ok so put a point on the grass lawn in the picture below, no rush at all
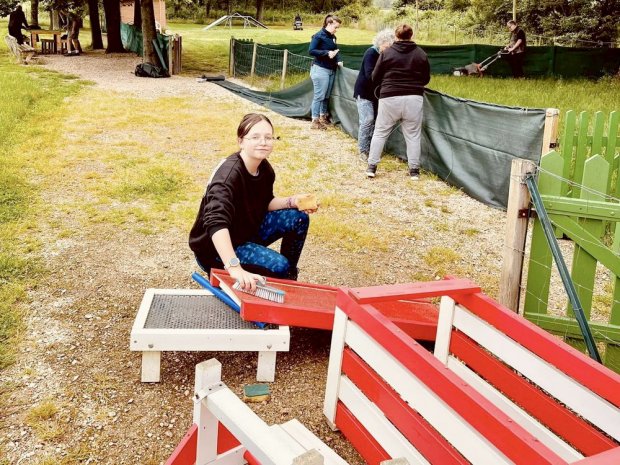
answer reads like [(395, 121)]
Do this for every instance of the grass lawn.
[(207, 51), (32, 97)]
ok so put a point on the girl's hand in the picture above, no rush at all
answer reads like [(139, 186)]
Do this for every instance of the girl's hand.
[(332, 53), (306, 203), (246, 279)]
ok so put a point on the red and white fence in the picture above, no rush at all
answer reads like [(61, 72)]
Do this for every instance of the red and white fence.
[(497, 389)]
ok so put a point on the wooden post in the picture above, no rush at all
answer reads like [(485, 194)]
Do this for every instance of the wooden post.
[(253, 66), (207, 373), (516, 232), (550, 134), (284, 66), (231, 57)]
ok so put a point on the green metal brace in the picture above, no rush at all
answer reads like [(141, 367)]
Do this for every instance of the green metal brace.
[(569, 286)]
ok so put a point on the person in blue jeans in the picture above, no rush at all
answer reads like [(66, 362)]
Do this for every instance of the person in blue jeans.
[(323, 71), (239, 216), (364, 91)]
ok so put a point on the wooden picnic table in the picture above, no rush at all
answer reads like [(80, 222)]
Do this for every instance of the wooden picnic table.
[(35, 33)]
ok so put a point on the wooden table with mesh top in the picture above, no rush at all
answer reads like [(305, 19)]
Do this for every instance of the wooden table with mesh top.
[(195, 320)]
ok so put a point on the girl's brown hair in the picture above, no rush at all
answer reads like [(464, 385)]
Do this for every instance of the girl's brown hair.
[(248, 122)]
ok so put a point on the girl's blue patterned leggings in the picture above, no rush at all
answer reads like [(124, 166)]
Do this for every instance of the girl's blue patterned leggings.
[(290, 225)]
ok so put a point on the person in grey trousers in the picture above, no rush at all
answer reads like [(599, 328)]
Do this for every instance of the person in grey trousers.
[(400, 75)]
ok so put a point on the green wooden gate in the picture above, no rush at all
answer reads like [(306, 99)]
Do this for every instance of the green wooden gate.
[(580, 187)]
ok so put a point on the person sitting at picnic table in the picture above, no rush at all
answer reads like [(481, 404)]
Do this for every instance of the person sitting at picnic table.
[(239, 216), (17, 19)]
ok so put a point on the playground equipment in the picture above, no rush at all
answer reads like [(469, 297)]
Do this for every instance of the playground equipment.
[(312, 306), (497, 389), (195, 320), (228, 432), (248, 21)]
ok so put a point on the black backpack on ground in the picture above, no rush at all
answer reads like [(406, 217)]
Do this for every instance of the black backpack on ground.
[(149, 70)]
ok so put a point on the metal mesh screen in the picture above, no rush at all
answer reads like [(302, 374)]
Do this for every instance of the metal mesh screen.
[(192, 312)]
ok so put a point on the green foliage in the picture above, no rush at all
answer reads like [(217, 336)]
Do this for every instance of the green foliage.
[(6, 6)]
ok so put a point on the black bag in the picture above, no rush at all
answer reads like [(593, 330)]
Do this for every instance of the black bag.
[(149, 70)]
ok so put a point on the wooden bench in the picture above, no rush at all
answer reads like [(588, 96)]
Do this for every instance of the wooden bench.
[(496, 390), (23, 53), (227, 432)]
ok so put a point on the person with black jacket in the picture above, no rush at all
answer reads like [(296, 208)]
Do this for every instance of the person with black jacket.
[(323, 70), (17, 19), (364, 91), (400, 75), (239, 216), (516, 49)]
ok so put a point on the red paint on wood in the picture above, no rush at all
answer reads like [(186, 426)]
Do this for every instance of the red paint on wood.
[(312, 306), (364, 443), (185, 452), (573, 363), (247, 455), (577, 432), (411, 424), (514, 441), (412, 291), (225, 439)]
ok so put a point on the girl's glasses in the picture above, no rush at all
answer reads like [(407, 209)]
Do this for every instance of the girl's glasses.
[(264, 139)]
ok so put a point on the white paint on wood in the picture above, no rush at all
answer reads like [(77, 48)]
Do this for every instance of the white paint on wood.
[(471, 444), (518, 415), (266, 370), (248, 428), (373, 419), (151, 365), (444, 329), (335, 366), (309, 441), (207, 373), (584, 402)]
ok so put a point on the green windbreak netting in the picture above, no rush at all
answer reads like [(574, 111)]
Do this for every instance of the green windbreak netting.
[(539, 61), (132, 41), (468, 144)]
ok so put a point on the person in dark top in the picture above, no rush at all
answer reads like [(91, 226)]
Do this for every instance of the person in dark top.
[(400, 75), (239, 216), (323, 71), (516, 49), (17, 19), (364, 91)]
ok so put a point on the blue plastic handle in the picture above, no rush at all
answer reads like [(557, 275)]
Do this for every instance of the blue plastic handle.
[(217, 292)]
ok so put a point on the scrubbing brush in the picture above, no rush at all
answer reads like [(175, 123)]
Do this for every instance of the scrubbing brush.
[(263, 291)]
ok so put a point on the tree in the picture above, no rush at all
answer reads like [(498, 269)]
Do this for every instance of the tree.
[(34, 13), (6, 6), (260, 9), (149, 32), (112, 10), (95, 27)]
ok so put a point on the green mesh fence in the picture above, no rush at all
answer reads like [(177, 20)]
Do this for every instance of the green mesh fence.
[(565, 62), (132, 41)]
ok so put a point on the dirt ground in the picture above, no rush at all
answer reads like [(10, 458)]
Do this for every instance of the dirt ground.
[(75, 351)]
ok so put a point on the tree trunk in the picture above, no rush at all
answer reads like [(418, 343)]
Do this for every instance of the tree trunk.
[(95, 27), (137, 14), (112, 9), (208, 7), (34, 13), (148, 33), (260, 10)]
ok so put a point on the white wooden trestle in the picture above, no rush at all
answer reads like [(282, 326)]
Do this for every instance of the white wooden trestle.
[(173, 332)]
